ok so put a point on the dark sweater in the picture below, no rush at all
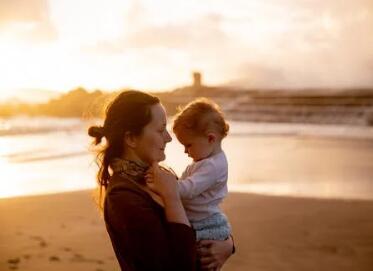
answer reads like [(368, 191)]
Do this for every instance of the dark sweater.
[(141, 236)]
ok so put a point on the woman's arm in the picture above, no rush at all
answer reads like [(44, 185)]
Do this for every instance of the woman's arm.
[(213, 253), (164, 183), (141, 237)]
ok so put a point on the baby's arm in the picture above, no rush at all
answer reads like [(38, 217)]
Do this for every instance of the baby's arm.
[(170, 170), (201, 179)]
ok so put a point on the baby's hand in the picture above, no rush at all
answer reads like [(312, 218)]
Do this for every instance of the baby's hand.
[(170, 171), (161, 181)]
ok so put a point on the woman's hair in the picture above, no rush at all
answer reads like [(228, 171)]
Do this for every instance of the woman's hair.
[(200, 116), (130, 112)]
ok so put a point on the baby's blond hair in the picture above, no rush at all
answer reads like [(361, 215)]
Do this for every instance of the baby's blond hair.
[(199, 117)]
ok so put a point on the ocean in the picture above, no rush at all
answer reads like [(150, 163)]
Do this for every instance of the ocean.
[(52, 155)]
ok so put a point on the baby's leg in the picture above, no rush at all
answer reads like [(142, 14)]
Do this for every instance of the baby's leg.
[(215, 227), (213, 233)]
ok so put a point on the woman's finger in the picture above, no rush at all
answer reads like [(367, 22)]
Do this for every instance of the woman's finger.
[(206, 260), (150, 185), (203, 251), (205, 243), (209, 265)]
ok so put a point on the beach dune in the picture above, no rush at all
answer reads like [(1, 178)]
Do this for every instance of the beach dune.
[(66, 232)]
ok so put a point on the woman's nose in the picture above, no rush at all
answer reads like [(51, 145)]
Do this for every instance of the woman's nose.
[(168, 137)]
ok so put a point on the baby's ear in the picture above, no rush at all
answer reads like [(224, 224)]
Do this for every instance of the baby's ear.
[(211, 137)]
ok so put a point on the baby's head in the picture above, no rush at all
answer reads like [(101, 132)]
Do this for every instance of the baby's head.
[(200, 126)]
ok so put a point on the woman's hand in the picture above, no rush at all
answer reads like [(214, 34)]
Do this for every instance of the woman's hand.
[(214, 253), (162, 182)]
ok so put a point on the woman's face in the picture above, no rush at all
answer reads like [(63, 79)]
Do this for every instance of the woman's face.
[(150, 145)]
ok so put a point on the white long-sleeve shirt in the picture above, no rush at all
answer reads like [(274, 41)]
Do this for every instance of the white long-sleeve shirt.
[(203, 186)]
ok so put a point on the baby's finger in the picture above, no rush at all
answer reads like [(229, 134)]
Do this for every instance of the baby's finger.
[(150, 185), (149, 179), (206, 243), (208, 263)]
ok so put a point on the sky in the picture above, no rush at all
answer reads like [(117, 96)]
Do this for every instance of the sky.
[(155, 45)]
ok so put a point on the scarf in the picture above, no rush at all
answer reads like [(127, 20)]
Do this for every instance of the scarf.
[(134, 172), (129, 170)]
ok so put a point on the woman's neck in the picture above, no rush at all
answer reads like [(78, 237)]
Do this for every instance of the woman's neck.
[(132, 156)]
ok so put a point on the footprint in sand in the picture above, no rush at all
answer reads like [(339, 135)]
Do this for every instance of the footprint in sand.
[(330, 249), (78, 255), (42, 242), (100, 262), (54, 259), (80, 258), (26, 256), (13, 263)]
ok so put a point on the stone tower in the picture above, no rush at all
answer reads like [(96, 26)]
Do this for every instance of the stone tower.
[(197, 79)]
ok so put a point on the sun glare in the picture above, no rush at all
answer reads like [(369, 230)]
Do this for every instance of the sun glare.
[(10, 186)]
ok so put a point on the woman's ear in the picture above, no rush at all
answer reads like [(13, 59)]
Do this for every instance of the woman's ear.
[(130, 140), (211, 137)]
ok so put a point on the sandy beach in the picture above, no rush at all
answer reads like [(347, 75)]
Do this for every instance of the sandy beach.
[(65, 232)]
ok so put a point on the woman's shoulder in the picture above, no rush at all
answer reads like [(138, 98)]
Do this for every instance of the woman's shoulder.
[(125, 202), (122, 189)]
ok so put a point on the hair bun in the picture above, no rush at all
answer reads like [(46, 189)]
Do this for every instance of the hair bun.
[(96, 132)]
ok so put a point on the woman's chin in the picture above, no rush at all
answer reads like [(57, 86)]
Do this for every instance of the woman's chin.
[(161, 158), (157, 159)]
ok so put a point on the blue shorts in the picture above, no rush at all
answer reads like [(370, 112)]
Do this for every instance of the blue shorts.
[(215, 227)]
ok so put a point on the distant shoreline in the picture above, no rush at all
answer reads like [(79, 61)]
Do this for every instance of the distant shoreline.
[(352, 107)]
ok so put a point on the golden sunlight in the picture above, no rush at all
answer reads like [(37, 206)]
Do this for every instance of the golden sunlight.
[(10, 186)]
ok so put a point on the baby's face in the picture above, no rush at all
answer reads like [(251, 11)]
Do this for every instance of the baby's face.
[(197, 147)]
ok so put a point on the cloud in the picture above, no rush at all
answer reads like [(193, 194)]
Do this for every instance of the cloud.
[(326, 45), (23, 10), (253, 75), (287, 43), (26, 20), (203, 33), (294, 43)]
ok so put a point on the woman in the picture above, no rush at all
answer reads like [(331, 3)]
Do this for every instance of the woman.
[(146, 223)]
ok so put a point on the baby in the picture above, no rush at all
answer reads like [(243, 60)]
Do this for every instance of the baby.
[(201, 127)]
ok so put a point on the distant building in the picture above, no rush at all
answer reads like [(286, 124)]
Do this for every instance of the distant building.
[(197, 79)]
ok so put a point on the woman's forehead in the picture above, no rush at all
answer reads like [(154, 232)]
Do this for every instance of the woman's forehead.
[(158, 114)]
